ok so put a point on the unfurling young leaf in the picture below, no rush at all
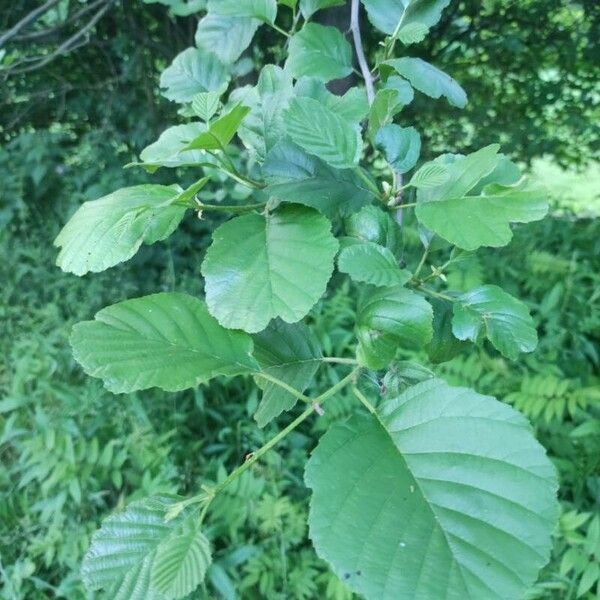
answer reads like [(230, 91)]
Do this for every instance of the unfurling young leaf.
[(505, 320), (221, 132), (390, 318), (444, 493)]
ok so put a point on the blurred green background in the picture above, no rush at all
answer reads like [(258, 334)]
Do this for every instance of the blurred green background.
[(71, 452)]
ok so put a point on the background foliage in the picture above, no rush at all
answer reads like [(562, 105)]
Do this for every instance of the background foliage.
[(71, 451)]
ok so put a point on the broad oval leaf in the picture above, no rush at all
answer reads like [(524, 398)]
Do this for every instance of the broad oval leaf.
[(390, 318), (429, 79), (319, 51), (292, 354), (504, 319), (430, 175), (321, 132), (385, 14), (206, 104), (371, 263), (166, 340), (400, 145), (226, 36), (138, 554), (260, 267), (444, 345), (470, 222), (193, 71), (444, 493), (110, 230)]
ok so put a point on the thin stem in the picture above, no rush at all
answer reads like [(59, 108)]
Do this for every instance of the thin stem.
[(436, 294), (363, 176), (363, 399), (234, 208), (421, 263), (392, 43), (360, 52), (409, 205), (340, 361), (283, 385), (284, 432), (278, 29)]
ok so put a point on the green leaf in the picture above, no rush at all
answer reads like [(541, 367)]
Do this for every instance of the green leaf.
[(430, 175), (474, 221), (260, 267), (290, 353), (371, 263), (352, 106), (405, 91), (221, 132), (462, 173), (413, 33), (191, 72), (206, 104), (389, 318), (309, 7), (166, 340), (321, 132), (372, 224), (265, 10), (294, 176), (319, 51), (388, 103), (505, 320), (429, 79), (423, 12), (226, 36), (444, 346), (471, 221), (400, 145), (444, 493), (265, 126), (385, 14), (138, 554), (110, 230), (167, 151)]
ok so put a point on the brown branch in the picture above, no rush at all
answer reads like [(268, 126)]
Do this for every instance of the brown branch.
[(67, 46), (26, 20), (360, 53)]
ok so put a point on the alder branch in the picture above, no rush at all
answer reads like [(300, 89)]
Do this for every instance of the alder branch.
[(360, 52)]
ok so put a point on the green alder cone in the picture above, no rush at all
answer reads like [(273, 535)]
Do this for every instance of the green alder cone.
[(443, 493), (110, 230), (140, 554), (166, 340), (260, 267)]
